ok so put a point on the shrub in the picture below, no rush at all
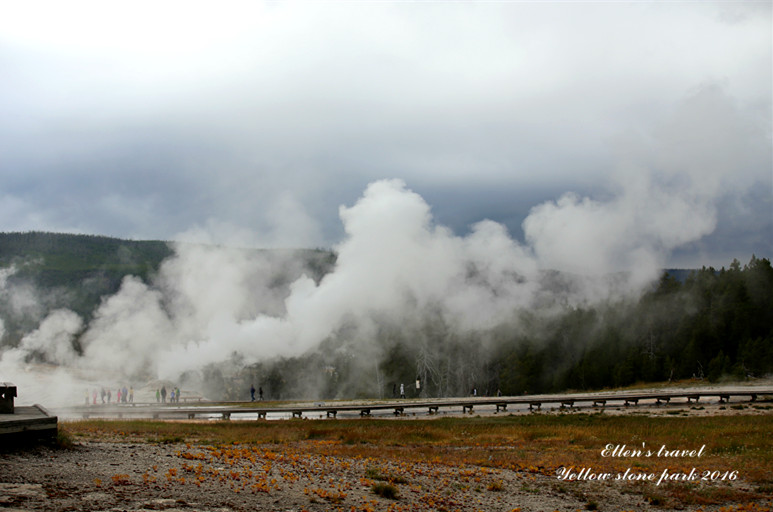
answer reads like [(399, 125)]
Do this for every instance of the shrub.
[(496, 486), (63, 438), (387, 491)]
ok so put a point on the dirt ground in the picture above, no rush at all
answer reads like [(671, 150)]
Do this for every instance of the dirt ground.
[(111, 476)]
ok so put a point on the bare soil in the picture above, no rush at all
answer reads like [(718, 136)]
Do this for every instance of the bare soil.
[(109, 474), (113, 476)]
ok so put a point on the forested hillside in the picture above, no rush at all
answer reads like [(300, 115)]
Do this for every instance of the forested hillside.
[(42, 272), (715, 323)]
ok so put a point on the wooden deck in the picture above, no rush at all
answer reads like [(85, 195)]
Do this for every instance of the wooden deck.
[(34, 421), (432, 406)]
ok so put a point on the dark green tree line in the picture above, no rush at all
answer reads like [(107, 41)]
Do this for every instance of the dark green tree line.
[(712, 324)]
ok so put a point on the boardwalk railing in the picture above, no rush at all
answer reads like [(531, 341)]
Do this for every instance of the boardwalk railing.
[(398, 407)]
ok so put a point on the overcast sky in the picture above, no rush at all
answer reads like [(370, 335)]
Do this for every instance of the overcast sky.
[(252, 122)]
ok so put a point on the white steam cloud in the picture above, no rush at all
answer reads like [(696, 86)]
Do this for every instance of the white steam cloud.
[(53, 340), (208, 303)]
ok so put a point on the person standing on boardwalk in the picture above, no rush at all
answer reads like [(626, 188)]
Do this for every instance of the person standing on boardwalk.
[(252, 393), (163, 394), (402, 390)]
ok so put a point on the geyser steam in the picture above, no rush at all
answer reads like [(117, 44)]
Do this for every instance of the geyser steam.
[(396, 264)]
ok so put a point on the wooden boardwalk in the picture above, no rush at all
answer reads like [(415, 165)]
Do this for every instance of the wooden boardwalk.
[(260, 410), (34, 421)]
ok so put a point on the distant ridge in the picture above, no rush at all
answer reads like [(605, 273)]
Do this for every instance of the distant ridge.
[(63, 251)]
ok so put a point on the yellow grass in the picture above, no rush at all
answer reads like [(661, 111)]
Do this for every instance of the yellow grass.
[(548, 441)]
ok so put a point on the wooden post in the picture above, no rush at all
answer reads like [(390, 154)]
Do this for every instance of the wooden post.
[(7, 394)]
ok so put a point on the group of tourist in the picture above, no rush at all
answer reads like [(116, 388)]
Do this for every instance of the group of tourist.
[(123, 395), (174, 395)]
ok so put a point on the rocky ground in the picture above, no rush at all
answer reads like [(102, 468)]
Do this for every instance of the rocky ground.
[(107, 474), (112, 476)]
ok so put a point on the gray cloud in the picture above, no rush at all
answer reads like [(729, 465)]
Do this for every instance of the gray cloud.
[(266, 117)]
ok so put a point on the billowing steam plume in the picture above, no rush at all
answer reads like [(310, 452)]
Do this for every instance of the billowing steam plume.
[(211, 304)]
